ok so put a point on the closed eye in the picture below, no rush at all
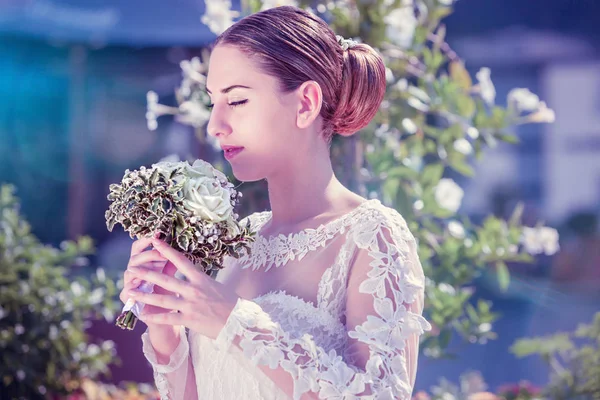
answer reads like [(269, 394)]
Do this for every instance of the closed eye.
[(234, 104)]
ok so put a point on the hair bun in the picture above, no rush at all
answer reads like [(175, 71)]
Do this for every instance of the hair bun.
[(362, 89)]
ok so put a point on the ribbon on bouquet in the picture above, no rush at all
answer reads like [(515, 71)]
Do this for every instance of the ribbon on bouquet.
[(136, 307)]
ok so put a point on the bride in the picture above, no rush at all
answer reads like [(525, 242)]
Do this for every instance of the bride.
[(328, 305)]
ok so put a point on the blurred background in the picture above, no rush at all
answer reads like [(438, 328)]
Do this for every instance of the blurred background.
[(73, 82)]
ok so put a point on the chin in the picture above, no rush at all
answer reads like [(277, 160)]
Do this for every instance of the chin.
[(246, 174)]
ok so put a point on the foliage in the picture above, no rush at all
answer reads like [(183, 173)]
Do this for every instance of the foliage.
[(473, 387), (574, 360), (44, 310), (433, 124), (91, 390)]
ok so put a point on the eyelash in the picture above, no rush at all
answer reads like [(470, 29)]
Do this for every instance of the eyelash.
[(234, 104)]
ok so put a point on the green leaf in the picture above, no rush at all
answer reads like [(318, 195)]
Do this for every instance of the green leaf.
[(465, 105), (183, 242), (515, 218), (512, 139), (457, 163), (503, 275), (444, 338), (432, 174), (460, 75)]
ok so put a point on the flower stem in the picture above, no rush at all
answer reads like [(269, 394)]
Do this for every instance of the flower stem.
[(126, 320)]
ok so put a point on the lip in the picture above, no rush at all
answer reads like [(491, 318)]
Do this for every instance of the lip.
[(231, 151)]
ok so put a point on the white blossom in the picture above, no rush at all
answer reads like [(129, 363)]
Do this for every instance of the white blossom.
[(266, 4), (473, 132), (472, 382), (417, 104), (540, 240), (463, 146), (448, 194), (401, 24), (193, 113), (456, 229), (486, 86), (409, 126), (523, 100), (446, 288), (542, 115), (76, 288), (101, 274), (401, 85), (419, 205), (389, 75), (218, 15), (419, 93)]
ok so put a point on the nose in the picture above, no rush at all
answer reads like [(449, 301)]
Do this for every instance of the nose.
[(217, 123)]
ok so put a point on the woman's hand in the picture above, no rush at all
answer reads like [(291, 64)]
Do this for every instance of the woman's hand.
[(201, 304), (151, 259)]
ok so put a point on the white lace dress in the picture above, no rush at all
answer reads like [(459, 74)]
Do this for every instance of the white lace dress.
[(359, 341)]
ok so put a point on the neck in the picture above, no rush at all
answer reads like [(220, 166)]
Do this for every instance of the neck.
[(307, 190)]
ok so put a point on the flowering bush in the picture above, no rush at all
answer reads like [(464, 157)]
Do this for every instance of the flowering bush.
[(44, 311), (435, 121), (573, 358), (473, 387)]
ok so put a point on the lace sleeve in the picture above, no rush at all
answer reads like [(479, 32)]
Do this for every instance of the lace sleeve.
[(175, 380), (383, 322)]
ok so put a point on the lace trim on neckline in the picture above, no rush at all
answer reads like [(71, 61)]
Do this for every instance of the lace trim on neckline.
[(278, 250)]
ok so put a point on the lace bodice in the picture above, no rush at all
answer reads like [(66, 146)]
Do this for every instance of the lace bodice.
[(340, 347)]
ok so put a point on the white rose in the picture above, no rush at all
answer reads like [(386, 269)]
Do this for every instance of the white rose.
[(207, 199), (201, 168), (448, 194)]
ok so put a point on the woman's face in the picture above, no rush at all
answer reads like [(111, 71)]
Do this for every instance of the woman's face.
[(249, 111)]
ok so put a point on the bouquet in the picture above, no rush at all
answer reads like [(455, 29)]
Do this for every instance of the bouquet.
[(191, 207)]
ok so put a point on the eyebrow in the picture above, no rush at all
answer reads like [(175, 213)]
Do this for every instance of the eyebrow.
[(230, 88)]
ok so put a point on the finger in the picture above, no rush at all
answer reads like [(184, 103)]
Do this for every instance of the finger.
[(146, 257), (165, 281), (185, 266), (132, 282), (174, 319), (140, 245), (167, 301)]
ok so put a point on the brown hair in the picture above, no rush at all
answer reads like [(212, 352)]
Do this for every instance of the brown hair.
[(296, 46)]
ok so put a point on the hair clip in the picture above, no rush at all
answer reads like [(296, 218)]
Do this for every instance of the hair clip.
[(345, 43)]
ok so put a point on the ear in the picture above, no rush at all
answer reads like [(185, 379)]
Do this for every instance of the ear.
[(309, 106)]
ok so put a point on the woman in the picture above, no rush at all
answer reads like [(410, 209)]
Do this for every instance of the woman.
[(329, 303)]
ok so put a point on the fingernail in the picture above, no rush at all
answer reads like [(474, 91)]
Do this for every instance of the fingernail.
[(136, 281)]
